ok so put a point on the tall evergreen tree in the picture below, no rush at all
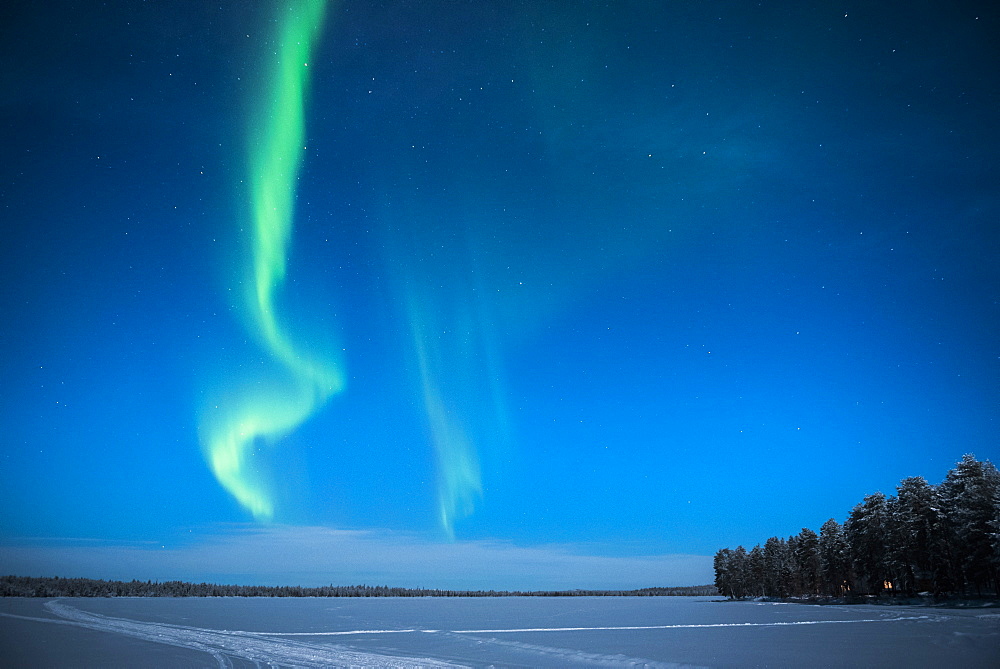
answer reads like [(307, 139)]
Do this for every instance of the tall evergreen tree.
[(776, 568), (945, 537), (793, 579), (834, 559), (866, 529), (807, 562), (739, 568), (898, 574), (723, 572), (916, 552), (971, 493), (755, 572)]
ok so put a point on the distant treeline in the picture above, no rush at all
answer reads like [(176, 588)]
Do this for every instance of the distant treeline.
[(943, 539), (27, 586)]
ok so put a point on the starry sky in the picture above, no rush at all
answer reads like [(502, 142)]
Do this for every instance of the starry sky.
[(581, 292)]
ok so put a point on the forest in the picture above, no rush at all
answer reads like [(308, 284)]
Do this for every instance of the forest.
[(32, 586), (942, 539)]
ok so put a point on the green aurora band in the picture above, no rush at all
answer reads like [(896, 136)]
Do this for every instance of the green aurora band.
[(270, 408), (271, 404), (459, 482)]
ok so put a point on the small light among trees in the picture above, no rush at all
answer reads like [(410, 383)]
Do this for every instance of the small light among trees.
[(943, 539)]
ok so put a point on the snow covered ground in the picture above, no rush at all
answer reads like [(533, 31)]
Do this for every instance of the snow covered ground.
[(524, 632)]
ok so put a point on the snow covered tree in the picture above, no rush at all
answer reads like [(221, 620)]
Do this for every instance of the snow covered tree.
[(945, 538), (971, 495), (732, 577), (723, 574), (807, 562), (915, 550), (866, 530), (755, 572), (740, 572), (793, 582), (777, 568), (834, 559)]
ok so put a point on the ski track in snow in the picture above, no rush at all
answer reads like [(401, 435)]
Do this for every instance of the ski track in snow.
[(224, 644), (591, 629), (263, 648)]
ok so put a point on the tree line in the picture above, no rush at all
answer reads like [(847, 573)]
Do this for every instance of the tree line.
[(943, 539), (29, 586)]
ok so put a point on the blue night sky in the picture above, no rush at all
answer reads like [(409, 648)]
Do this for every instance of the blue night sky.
[(484, 294)]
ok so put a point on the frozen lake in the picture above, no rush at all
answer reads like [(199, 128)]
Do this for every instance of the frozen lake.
[(505, 632)]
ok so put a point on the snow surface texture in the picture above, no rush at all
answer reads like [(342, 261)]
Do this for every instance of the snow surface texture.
[(257, 647), (536, 632), (224, 645)]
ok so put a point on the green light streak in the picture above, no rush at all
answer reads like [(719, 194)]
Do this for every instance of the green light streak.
[(270, 408), (459, 482)]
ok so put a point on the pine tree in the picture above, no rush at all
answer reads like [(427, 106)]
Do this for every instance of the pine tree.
[(723, 574), (807, 562), (866, 530), (971, 494), (834, 559), (740, 573), (945, 537), (777, 570), (916, 551), (755, 572)]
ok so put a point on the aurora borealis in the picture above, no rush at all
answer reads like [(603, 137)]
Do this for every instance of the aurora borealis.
[(492, 283), (270, 410)]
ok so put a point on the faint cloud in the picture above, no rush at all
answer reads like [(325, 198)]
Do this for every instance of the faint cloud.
[(311, 556)]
